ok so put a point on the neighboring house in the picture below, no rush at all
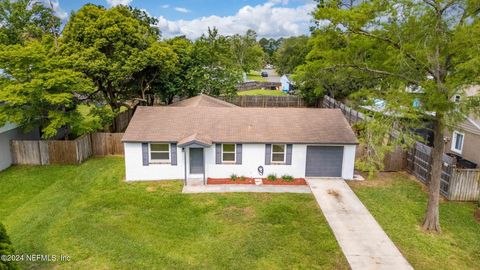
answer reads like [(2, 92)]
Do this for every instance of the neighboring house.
[(204, 137), (12, 132), (464, 141), (286, 83)]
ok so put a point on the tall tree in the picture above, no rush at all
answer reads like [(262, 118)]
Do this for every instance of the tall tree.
[(177, 83), (117, 49), (291, 54), (428, 44), (269, 46), (247, 52), (24, 20), (39, 89), (213, 70)]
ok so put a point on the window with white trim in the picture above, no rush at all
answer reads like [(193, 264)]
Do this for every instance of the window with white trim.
[(160, 152), (279, 153), (457, 141), (229, 151)]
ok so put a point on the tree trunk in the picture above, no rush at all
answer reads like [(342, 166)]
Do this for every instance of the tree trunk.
[(432, 216)]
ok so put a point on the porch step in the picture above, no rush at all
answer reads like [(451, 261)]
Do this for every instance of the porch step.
[(195, 181)]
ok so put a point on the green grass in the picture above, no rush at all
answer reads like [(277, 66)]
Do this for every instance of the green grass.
[(261, 92), (90, 214), (398, 203), (255, 76)]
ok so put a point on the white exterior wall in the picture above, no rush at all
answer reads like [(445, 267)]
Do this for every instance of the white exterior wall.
[(348, 165), (135, 171), (12, 132), (253, 156)]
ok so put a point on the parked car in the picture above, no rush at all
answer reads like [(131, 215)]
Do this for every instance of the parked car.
[(264, 74)]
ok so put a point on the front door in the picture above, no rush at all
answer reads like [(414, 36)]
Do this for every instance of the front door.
[(196, 160)]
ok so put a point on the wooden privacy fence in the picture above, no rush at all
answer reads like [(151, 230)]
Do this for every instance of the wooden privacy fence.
[(266, 101), (257, 85), (105, 144), (122, 119), (455, 184), (51, 152), (66, 152), (465, 185), (350, 114), (392, 162)]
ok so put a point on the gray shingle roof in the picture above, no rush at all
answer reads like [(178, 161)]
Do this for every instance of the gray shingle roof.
[(240, 125)]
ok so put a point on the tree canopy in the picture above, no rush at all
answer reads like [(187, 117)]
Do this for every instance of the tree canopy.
[(247, 53), (39, 88), (24, 20), (291, 54)]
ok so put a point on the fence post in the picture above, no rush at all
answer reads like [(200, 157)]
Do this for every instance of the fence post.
[(451, 183)]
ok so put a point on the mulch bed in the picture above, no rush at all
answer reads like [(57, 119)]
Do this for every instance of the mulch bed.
[(228, 181), (281, 182), (251, 181)]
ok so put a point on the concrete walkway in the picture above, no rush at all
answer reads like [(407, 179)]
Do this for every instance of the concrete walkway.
[(245, 188), (363, 241)]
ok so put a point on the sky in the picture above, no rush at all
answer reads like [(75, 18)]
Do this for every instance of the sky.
[(269, 18)]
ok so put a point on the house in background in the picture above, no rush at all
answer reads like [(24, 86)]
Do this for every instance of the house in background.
[(463, 142), (203, 137), (287, 84), (12, 132)]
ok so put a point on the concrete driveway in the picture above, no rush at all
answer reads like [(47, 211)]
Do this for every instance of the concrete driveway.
[(363, 241)]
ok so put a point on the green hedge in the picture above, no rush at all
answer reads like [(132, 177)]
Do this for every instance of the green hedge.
[(6, 248)]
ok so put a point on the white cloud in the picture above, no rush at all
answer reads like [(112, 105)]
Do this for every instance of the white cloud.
[(165, 6), (118, 2), (268, 20), (55, 5), (182, 10)]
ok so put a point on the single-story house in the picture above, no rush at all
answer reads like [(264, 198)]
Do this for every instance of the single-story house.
[(10, 132), (204, 137)]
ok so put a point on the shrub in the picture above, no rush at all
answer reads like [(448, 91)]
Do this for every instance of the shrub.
[(242, 178), (6, 248), (287, 178), (272, 177), (233, 177)]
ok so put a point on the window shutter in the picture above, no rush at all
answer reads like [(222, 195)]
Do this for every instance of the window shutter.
[(268, 154), (238, 158), (218, 153), (289, 154), (173, 154), (145, 154)]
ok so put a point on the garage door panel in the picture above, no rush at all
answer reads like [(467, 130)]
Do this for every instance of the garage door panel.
[(324, 161)]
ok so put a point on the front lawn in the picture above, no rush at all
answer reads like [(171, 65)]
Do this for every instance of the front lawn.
[(88, 213), (262, 92), (398, 203)]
